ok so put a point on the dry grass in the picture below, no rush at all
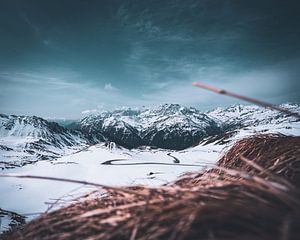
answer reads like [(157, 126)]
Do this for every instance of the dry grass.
[(253, 193)]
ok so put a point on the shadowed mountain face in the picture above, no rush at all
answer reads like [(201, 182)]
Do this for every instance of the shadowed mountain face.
[(172, 126), (38, 128), (25, 139), (169, 126)]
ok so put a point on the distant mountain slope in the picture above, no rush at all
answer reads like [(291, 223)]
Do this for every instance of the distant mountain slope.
[(168, 126), (253, 115), (24, 139), (239, 121)]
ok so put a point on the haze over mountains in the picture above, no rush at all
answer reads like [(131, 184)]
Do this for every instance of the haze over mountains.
[(25, 139)]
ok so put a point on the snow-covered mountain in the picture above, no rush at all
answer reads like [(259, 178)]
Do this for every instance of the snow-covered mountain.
[(25, 139), (253, 115), (172, 126), (239, 121), (169, 126)]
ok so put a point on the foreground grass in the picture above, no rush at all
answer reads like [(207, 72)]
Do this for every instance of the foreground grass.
[(252, 193)]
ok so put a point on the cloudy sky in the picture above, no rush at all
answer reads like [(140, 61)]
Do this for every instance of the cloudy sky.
[(59, 58)]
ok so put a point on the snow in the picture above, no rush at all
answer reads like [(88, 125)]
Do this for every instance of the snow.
[(149, 167), (162, 117), (31, 138), (252, 114)]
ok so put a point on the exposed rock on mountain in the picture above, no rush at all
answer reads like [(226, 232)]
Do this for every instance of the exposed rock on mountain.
[(25, 139), (169, 126)]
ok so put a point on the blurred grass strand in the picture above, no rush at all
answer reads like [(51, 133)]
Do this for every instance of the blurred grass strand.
[(247, 99)]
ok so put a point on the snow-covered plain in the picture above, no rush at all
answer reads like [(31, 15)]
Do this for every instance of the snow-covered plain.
[(151, 167)]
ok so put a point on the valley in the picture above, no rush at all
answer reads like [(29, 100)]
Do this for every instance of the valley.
[(101, 148)]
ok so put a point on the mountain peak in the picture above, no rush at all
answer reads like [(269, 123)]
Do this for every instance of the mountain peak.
[(167, 126)]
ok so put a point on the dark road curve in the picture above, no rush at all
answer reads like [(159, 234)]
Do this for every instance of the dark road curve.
[(176, 160), (112, 162)]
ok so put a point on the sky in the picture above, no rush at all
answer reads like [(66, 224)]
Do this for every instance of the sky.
[(66, 58)]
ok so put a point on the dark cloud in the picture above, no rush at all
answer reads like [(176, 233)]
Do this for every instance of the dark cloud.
[(145, 49)]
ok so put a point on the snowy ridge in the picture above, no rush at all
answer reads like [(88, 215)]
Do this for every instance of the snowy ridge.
[(25, 139), (169, 126), (253, 115), (239, 121)]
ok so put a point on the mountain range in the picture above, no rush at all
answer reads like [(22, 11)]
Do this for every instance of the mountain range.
[(169, 126), (25, 139)]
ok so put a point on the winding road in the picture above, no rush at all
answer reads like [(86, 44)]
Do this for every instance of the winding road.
[(115, 162)]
